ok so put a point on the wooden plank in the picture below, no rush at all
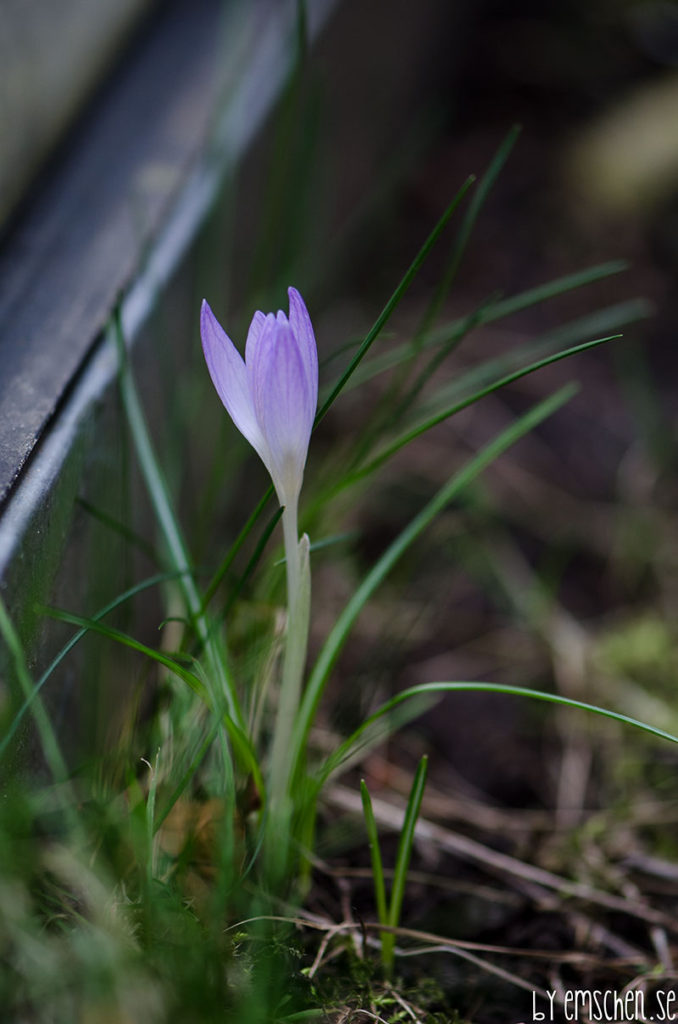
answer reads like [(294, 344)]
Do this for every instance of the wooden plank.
[(52, 56), (84, 238)]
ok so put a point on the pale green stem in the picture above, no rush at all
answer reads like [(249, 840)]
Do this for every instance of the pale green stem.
[(291, 539), (298, 608)]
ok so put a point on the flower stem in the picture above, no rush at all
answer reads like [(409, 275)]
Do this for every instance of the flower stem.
[(291, 539), (298, 609)]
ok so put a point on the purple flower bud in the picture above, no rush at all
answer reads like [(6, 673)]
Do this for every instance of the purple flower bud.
[(271, 396)]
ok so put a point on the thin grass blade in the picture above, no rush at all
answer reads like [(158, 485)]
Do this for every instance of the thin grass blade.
[(169, 526), (377, 863), (552, 289), (226, 564), (603, 323), (461, 241), (50, 744), (252, 562), (397, 295), (131, 536), (404, 854), (152, 581), (445, 414), (441, 688), (490, 311), (189, 773), (92, 625)]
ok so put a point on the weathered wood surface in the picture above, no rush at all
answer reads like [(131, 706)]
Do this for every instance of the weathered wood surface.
[(52, 55), (85, 236)]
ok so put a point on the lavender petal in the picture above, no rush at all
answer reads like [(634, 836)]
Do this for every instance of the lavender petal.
[(303, 331), (284, 404), (230, 379)]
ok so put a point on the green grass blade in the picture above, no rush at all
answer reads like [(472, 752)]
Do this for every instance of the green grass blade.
[(253, 561), (552, 289), (246, 754), (391, 407), (50, 744), (152, 581), (443, 351), (337, 637), (154, 477), (432, 421), (377, 869), (397, 295), (490, 311), (345, 750), (118, 636), (159, 495), (226, 564), (602, 323), (404, 855), (375, 854), (189, 774), (131, 536), (475, 206), (150, 823)]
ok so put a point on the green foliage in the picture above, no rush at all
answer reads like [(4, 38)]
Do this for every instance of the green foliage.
[(389, 911)]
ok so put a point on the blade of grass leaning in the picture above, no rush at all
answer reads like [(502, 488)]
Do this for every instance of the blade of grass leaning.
[(376, 859), (152, 581), (602, 323), (396, 405), (189, 773), (131, 536), (392, 407), (552, 289), (489, 312), (397, 295), (253, 561), (476, 204), (345, 749), (445, 414), (384, 727), (118, 636), (235, 547), (199, 686), (159, 495), (251, 564), (339, 634), (242, 744), (152, 473), (437, 359), (50, 744), (403, 858), (150, 826)]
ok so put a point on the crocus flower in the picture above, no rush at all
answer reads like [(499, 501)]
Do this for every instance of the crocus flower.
[(272, 395)]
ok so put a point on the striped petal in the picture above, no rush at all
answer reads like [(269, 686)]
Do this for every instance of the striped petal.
[(253, 335), (284, 404), (230, 379), (303, 332)]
